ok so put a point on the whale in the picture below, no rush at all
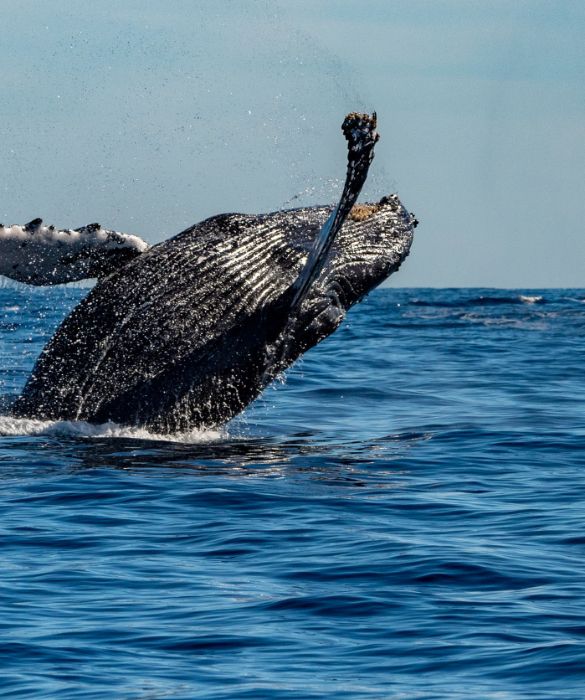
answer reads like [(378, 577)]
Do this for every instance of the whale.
[(188, 332)]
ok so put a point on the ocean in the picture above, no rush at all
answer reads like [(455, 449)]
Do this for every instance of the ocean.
[(401, 517)]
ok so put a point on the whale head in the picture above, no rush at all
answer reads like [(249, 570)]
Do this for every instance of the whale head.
[(372, 244)]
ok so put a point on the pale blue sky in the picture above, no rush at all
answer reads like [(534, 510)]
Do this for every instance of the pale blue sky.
[(150, 116)]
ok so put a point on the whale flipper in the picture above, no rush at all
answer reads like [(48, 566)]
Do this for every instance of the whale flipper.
[(44, 255), (360, 132)]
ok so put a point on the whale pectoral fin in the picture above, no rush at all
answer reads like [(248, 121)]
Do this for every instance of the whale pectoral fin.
[(44, 255), (360, 132)]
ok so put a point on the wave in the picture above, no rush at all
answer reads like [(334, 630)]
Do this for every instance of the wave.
[(526, 299), (21, 427), (482, 301)]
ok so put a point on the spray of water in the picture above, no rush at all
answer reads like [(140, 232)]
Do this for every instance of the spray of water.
[(20, 427)]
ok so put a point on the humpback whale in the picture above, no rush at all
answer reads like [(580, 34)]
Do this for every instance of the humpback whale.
[(187, 333)]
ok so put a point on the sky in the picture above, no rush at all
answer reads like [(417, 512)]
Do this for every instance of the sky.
[(147, 117)]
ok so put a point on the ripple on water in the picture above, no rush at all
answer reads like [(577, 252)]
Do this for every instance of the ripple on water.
[(401, 518)]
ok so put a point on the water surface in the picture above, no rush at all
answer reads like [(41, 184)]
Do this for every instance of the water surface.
[(402, 518)]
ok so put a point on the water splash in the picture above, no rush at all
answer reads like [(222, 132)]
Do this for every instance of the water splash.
[(531, 299), (17, 427)]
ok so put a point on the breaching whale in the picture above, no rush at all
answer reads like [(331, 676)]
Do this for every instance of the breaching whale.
[(187, 333)]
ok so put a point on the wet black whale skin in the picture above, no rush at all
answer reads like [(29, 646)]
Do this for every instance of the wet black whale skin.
[(190, 332)]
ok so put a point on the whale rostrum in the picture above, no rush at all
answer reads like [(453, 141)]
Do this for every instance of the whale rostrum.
[(187, 333)]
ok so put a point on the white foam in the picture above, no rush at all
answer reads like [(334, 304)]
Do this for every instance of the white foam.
[(17, 427), (530, 299)]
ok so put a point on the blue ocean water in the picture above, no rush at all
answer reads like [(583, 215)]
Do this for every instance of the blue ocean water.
[(403, 517)]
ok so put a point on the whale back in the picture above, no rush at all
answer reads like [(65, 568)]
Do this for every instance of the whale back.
[(192, 330)]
